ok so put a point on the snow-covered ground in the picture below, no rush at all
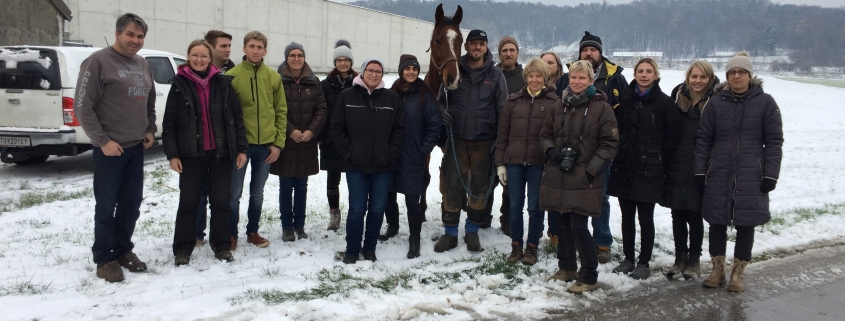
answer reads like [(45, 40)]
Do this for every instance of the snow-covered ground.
[(46, 228)]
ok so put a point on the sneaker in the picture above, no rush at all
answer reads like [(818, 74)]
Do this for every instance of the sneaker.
[(110, 271), (624, 268), (473, 244), (580, 287), (288, 236), (516, 253), (233, 243), (224, 256), (257, 240), (200, 243), (300, 233), (642, 272), (445, 242), (603, 254), (182, 259), (530, 257), (564, 276), (131, 262)]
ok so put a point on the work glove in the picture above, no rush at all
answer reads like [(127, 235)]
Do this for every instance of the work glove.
[(447, 118), (768, 184), (503, 175)]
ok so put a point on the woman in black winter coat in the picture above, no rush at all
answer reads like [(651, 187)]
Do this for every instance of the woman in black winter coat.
[(646, 121), (422, 129), (738, 151), (680, 192), (338, 79), (203, 134)]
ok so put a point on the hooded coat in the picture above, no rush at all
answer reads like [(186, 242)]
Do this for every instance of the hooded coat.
[(680, 191), (333, 85), (513, 78), (306, 111), (739, 142), (477, 103), (520, 125), (421, 134), (572, 191), (647, 143)]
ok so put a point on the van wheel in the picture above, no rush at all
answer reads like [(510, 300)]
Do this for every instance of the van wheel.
[(38, 159)]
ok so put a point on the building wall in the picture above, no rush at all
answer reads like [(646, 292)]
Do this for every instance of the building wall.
[(316, 24), (29, 22)]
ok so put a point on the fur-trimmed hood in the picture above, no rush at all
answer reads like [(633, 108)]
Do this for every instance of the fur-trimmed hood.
[(755, 82)]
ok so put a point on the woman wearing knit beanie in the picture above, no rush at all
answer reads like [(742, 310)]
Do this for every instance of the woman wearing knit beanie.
[(738, 151), (338, 79), (422, 129), (647, 127), (680, 193), (519, 160)]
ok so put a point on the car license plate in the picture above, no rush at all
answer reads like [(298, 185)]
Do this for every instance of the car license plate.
[(14, 141)]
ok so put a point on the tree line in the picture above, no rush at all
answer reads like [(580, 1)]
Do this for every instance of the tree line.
[(813, 36)]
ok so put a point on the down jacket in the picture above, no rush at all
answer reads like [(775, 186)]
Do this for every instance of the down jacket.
[(181, 126), (333, 85), (647, 140), (476, 104), (739, 142), (421, 134), (572, 191), (306, 111), (680, 191), (520, 125)]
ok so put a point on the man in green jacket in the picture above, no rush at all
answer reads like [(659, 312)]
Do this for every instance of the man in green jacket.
[(262, 97)]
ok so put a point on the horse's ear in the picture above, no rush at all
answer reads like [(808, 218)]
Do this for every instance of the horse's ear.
[(438, 14), (459, 14)]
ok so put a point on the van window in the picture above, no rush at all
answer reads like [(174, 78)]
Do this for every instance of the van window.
[(162, 69), (24, 68)]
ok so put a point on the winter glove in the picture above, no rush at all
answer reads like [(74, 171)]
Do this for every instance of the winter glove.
[(768, 184), (700, 181), (553, 154), (503, 175), (447, 118)]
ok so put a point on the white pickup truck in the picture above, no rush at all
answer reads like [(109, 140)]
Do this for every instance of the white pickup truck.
[(37, 86)]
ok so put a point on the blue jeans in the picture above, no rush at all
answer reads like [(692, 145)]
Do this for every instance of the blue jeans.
[(601, 224), (292, 209), (118, 192), (367, 197), (255, 155), (202, 212), (518, 177)]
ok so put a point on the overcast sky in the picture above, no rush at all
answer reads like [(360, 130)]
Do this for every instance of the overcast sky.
[(823, 3)]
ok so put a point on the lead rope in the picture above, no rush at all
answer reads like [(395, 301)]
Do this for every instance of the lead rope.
[(455, 157)]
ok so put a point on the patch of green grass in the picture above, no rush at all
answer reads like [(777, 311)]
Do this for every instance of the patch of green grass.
[(6, 206), (271, 272), (27, 287), (159, 177), (31, 199), (788, 217), (838, 83), (24, 185), (330, 282), (157, 227), (35, 223)]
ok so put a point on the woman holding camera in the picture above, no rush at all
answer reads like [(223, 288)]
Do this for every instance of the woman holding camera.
[(647, 121), (738, 151), (579, 140)]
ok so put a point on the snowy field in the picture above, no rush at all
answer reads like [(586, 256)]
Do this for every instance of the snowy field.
[(46, 228)]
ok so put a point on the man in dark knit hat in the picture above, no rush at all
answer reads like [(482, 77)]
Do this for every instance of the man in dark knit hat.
[(609, 79)]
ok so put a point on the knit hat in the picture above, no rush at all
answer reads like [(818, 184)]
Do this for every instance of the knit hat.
[(408, 60), (536, 65), (506, 40), (589, 40), (477, 34), (342, 48), (291, 47), (370, 60), (740, 60)]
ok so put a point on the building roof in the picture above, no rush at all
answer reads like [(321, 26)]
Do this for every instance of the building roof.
[(62, 7)]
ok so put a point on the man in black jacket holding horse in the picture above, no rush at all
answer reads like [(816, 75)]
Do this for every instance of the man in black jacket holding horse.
[(471, 115)]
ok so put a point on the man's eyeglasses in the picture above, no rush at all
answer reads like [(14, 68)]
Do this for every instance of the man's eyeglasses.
[(373, 72)]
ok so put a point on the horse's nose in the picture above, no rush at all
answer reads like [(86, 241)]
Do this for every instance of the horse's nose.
[(450, 79)]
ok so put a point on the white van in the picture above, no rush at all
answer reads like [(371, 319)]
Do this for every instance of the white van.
[(37, 86)]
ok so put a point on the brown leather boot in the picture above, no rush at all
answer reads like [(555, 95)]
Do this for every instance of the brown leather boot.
[(516, 253), (736, 284), (530, 257), (717, 276), (110, 271)]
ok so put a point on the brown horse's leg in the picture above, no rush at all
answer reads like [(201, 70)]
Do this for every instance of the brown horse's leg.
[(423, 204)]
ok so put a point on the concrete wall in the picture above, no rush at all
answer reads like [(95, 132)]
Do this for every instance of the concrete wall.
[(316, 24), (29, 22)]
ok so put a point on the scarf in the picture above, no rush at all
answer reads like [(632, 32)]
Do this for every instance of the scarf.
[(573, 99), (202, 85)]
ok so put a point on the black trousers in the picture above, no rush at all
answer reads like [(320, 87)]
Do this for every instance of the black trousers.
[(680, 221), (333, 189), (191, 181), (575, 235), (645, 213), (415, 214), (744, 241)]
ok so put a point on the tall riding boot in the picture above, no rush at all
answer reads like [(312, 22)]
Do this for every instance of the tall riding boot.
[(415, 227), (391, 215), (717, 276), (737, 284)]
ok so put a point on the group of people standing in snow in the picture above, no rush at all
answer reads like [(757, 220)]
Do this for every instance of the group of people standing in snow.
[(563, 141)]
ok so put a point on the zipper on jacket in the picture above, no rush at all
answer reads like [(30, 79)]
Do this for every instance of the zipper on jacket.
[(528, 132), (257, 105)]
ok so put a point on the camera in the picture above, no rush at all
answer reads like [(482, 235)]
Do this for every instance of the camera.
[(568, 156)]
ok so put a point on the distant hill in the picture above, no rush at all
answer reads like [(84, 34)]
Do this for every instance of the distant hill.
[(813, 35)]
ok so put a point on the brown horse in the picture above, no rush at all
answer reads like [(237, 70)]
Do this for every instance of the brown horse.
[(445, 47)]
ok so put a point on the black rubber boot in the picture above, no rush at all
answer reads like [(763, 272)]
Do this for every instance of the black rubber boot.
[(392, 230), (391, 216), (415, 227)]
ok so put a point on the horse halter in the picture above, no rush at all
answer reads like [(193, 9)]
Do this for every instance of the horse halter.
[(440, 66)]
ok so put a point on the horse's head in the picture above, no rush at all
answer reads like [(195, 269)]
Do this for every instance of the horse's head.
[(446, 42)]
